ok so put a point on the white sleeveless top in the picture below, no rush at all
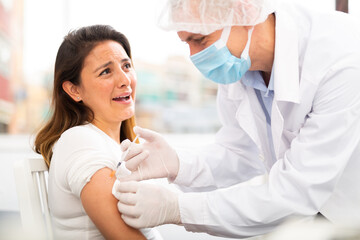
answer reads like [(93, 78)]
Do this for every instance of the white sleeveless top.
[(77, 155)]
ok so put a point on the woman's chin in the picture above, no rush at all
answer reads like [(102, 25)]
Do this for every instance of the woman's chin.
[(127, 115)]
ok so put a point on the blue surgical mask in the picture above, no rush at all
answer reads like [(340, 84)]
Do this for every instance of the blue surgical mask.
[(218, 64)]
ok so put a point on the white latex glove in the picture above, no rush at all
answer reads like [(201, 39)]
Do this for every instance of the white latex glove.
[(149, 233), (152, 159), (144, 205)]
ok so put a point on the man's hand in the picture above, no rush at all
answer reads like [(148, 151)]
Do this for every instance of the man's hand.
[(152, 159), (145, 205)]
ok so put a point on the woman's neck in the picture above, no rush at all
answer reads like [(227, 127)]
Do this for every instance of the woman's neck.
[(112, 130)]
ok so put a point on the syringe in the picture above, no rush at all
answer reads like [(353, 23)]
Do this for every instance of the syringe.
[(121, 170)]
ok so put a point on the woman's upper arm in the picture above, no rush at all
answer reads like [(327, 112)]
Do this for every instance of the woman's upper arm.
[(101, 207)]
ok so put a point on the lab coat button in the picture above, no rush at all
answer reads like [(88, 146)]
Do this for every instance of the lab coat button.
[(261, 156)]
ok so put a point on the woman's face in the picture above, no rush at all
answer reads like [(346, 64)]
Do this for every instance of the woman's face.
[(108, 83)]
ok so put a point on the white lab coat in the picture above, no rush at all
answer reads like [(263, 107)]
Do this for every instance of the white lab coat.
[(316, 135)]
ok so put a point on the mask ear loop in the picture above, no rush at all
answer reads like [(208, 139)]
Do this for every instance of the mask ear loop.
[(245, 53), (223, 38)]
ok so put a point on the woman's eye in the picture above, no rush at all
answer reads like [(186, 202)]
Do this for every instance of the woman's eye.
[(127, 65), (106, 71)]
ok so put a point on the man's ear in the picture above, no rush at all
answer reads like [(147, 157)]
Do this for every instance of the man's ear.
[(72, 90)]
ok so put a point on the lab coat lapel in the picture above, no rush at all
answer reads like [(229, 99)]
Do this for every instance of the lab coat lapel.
[(277, 126), (285, 73), (244, 114)]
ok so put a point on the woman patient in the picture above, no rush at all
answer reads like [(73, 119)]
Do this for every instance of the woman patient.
[(92, 112)]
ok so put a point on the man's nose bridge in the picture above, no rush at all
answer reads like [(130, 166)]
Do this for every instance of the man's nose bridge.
[(193, 50)]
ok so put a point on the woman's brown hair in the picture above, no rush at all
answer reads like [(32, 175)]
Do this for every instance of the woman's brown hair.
[(68, 113)]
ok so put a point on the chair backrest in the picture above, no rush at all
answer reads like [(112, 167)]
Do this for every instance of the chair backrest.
[(31, 187)]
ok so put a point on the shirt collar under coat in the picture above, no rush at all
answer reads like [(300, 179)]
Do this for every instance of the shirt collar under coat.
[(286, 62)]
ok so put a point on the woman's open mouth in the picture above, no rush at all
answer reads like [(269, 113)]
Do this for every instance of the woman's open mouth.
[(122, 98)]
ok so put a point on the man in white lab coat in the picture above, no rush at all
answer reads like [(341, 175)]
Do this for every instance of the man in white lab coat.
[(289, 103)]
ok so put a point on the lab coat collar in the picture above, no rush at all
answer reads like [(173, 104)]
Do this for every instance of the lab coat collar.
[(236, 90), (286, 59), (285, 79)]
